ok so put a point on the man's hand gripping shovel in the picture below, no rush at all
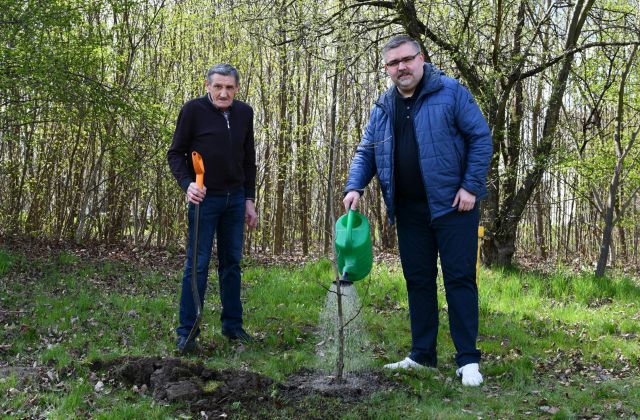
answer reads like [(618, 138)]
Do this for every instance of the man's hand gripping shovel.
[(198, 167)]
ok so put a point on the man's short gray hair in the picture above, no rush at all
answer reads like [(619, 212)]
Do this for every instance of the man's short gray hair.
[(224, 70), (398, 40)]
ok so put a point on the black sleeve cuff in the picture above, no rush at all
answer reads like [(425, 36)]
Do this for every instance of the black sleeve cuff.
[(184, 184)]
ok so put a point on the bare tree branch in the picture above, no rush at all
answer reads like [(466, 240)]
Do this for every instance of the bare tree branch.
[(572, 51)]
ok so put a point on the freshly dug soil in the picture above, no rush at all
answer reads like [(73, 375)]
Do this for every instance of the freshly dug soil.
[(225, 392)]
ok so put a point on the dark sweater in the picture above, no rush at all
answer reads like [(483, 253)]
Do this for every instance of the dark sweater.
[(228, 150)]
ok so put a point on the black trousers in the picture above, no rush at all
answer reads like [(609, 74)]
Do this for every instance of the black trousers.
[(454, 237)]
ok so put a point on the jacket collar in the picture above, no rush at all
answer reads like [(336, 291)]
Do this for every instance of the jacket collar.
[(208, 100)]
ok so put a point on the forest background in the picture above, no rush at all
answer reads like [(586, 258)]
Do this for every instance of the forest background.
[(90, 91)]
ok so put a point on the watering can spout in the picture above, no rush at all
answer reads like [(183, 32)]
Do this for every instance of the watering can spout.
[(344, 280), (353, 246)]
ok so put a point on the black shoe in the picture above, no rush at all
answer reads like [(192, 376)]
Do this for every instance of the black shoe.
[(184, 346), (238, 334)]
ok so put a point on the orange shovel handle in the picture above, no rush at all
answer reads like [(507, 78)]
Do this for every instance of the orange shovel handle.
[(198, 167)]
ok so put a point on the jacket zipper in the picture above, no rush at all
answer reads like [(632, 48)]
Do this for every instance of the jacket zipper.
[(227, 117)]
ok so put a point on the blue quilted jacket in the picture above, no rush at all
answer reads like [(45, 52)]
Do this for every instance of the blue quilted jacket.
[(454, 143)]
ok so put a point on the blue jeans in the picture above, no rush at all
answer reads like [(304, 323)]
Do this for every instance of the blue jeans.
[(222, 216), (420, 240)]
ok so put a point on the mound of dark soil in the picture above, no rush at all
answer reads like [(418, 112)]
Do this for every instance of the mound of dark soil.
[(217, 392), (174, 380)]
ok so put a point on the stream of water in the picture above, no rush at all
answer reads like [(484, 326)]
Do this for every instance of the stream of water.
[(357, 353)]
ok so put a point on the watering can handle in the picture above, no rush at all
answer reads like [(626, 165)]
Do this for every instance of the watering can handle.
[(198, 167), (350, 217)]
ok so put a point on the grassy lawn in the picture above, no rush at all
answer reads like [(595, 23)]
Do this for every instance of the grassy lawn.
[(560, 345)]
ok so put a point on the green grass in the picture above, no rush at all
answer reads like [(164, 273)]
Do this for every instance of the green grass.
[(564, 341), (5, 262)]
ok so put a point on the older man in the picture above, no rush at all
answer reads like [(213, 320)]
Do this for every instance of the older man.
[(220, 128), (430, 147)]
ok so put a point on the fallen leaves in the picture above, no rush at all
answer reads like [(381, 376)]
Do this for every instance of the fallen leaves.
[(569, 366), (99, 386), (549, 410)]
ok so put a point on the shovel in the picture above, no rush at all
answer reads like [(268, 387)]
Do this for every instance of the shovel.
[(198, 167)]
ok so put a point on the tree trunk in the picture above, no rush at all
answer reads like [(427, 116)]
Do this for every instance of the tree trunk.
[(305, 205), (501, 245), (341, 324), (328, 212), (281, 156), (265, 223), (538, 205), (621, 153), (622, 235)]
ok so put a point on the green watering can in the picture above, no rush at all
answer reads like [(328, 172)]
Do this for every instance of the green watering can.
[(353, 246)]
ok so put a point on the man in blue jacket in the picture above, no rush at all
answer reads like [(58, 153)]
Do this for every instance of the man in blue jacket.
[(430, 147)]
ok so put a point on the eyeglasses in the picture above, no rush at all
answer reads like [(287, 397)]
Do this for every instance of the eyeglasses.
[(406, 60)]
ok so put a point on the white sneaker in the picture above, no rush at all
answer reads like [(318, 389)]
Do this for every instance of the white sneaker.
[(471, 375), (406, 363)]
